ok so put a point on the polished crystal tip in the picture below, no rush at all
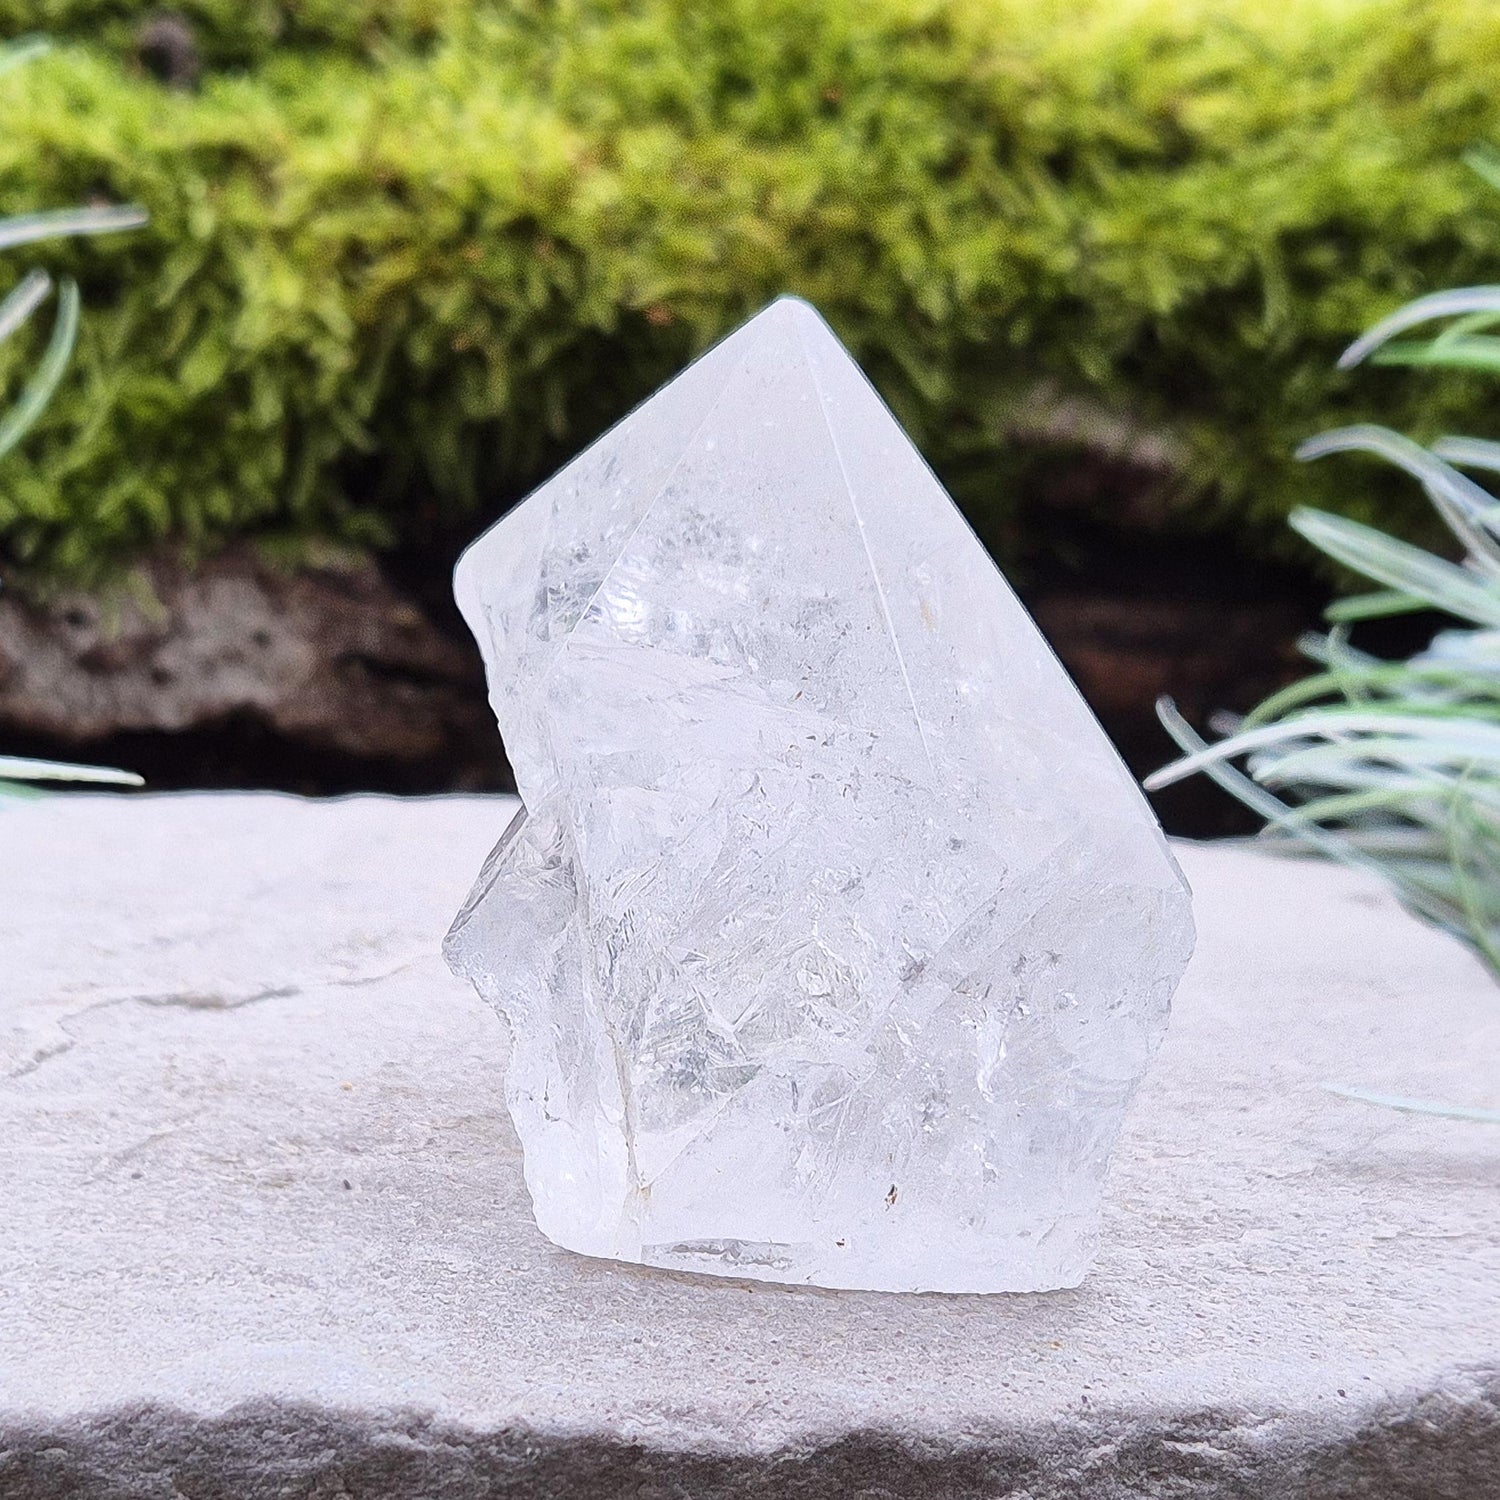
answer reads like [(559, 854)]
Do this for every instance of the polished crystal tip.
[(833, 937)]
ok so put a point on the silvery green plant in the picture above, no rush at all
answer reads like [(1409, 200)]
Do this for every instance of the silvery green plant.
[(15, 310), (1393, 766)]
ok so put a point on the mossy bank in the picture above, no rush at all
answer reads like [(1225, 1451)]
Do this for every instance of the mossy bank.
[(406, 254)]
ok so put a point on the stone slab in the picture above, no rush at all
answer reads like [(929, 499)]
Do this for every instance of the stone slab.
[(263, 1230)]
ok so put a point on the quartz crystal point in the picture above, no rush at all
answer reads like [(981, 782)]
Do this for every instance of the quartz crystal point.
[(832, 936)]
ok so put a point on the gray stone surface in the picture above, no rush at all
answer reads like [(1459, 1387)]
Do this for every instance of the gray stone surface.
[(263, 1232)]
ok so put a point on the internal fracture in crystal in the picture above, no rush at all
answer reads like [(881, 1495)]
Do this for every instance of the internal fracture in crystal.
[(833, 937)]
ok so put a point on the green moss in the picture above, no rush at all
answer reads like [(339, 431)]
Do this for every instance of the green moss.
[(405, 254), (244, 33)]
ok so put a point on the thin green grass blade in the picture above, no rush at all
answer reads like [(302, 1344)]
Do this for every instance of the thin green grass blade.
[(38, 391), (1472, 352), (1276, 813), (1428, 737), (1335, 809), (1416, 1106), (26, 229), (1469, 509), (1297, 695), (1450, 304), (21, 768), (1381, 605), (1334, 650), (1471, 453), (1364, 680), (1400, 566), (1461, 328), (22, 301)]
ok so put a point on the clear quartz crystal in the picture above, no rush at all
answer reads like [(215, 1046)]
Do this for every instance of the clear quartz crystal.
[(833, 937)]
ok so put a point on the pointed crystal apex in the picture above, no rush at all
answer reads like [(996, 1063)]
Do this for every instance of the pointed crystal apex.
[(835, 936)]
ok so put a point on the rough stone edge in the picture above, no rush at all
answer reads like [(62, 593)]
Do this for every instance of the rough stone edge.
[(1441, 1442), (235, 669)]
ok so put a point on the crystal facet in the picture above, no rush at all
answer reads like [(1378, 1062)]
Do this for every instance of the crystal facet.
[(833, 937)]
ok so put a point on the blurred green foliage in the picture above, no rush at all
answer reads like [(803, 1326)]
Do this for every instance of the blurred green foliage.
[(403, 255)]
